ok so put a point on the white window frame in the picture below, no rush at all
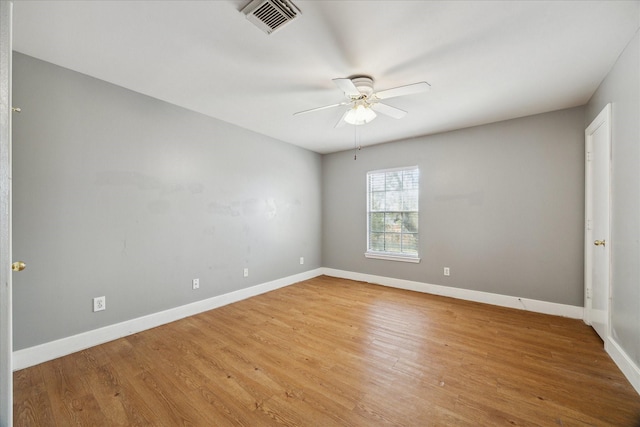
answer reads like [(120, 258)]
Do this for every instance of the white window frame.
[(389, 256)]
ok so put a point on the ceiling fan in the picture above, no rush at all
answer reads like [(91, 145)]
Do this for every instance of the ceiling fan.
[(364, 103)]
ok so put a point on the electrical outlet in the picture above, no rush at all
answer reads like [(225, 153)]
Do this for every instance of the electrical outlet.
[(447, 272), (195, 283), (246, 272), (99, 303), (301, 260)]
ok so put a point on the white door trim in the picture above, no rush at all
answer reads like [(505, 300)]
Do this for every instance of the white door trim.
[(6, 338), (603, 118)]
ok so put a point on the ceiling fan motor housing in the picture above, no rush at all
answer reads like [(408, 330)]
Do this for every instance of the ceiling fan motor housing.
[(364, 84)]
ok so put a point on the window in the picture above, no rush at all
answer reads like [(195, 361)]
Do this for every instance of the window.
[(392, 214)]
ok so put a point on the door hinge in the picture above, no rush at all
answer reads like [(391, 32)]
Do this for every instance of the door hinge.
[(588, 225), (588, 156), (588, 291)]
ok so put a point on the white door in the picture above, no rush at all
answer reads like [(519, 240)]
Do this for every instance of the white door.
[(6, 340), (597, 242)]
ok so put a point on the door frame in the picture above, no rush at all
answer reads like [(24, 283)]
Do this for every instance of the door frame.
[(603, 118), (6, 328)]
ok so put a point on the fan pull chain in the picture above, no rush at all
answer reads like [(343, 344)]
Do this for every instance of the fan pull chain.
[(356, 142)]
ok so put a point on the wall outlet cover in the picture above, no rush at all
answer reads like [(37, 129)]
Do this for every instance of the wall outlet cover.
[(99, 303)]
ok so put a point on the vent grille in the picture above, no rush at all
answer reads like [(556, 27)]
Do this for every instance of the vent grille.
[(271, 15)]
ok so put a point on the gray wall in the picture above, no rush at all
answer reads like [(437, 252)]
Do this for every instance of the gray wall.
[(502, 205), (621, 88), (122, 195)]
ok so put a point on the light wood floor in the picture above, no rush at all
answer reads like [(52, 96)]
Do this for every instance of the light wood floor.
[(333, 352)]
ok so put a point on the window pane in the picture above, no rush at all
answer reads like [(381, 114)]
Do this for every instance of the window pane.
[(376, 242), (377, 201), (394, 181), (410, 200), (410, 222), (393, 222), (393, 201), (392, 242), (376, 222), (410, 244), (410, 179), (376, 182)]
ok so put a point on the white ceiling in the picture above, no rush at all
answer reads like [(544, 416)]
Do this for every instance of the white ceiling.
[(485, 60)]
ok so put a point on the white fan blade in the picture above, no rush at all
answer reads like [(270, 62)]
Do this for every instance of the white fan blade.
[(341, 122), (388, 110), (320, 108), (347, 86), (403, 90)]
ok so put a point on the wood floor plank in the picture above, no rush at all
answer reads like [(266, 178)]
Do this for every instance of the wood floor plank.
[(334, 352), (32, 406), (71, 399), (117, 398)]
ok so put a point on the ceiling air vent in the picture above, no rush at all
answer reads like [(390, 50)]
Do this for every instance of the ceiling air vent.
[(271, 15)]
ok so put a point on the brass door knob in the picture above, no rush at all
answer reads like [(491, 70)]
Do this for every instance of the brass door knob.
[(18, 266), (599, 243)]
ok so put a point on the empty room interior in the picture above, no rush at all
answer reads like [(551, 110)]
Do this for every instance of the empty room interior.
[(321, 213)]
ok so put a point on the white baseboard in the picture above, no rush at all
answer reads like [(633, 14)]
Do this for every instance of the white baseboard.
[(624, 362), (571, 311), (628, 367), (48, 351)]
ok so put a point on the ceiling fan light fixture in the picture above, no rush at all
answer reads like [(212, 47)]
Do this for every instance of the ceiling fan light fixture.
[(360, 115)]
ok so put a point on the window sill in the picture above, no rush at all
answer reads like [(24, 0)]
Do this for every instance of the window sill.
[(390, 257)]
